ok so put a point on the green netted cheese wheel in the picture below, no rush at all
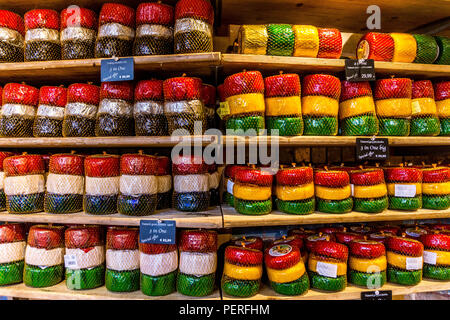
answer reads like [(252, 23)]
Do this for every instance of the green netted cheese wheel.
[(427, 48), (426, 126), (253, 123), (281, 40), (393, 127), (334, 206), (228, 198), (408, 278), (294, 288), (435, 202), (365, 125), (2, 200), (29, 203), (436, 272), (11, 273), (445, 126), (39, 277), (101, 204), (444, 50), (306, 206), (326, 283), (81, 279), (63, 203), (139, 205), (320, 126), (122, 281), (195, 286), (367, 280), (370, 205), (400, 203), (240, 288), (251, 207), (286, 126), (160, 285)]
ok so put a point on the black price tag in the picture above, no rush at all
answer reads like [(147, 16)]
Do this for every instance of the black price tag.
[(372, 149), (157, 231), (117, 70), (376, 295), (359, 70)]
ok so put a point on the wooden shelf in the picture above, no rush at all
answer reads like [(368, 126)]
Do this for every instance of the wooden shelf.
[(233, 219), (209, 219)]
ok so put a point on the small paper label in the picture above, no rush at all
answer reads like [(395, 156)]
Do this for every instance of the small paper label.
[(414, 263), (223, 110), (230, 185), (327, 269), (429, 257), (280, 250), (405, 190), (352, 186), (70, 261), (415, 106)]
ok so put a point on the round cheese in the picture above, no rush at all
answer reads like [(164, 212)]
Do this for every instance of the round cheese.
[(131, 185), (395, 107), (88, 257), (442, 257), (405, 47), (246, 103), (391, 187), (400, 261), (2, 180), (65, 184), (164, 183), (367, 192), (306, 41), (423, 106), (28, 184), (12, 251), (158, 264), (199, 264), (42, 257), (191, 183), (122, 260), (242, 272), (286, 275), (283, 106), (102, 186), (443, 108), (436, 188), (368, 265), (251, 192), (320, 106), (357, 106), (333, 193), (341, 266), (292, 193)]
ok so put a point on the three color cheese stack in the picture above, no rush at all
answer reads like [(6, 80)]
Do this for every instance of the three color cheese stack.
[(405, 260), (404, 186), (442, 99), (436, 188), (12, 32), (436, 256), (12, 253), (3, 155), (50, 112), (333, 191), (369, 190), (424, 119), (164, 180)]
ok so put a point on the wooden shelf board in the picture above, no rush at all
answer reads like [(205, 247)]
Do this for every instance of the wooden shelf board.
[(233, 219)]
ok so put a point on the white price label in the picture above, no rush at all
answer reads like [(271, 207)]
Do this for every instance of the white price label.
[(230, 185), (429, 257), (352, 186), (405, 190), (70, 261), (414, 263), (327, 269)]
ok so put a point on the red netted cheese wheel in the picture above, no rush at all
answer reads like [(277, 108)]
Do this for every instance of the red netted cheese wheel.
[(330, 43), (366, 249), (117, 90), (67, 164), (3, 155), (163, 165), (12, 21), (294, 176), (436, 241), (138, 164), (393, 88), (351, 90), (23, 164), (46, 237), (380, 236), (183, 165), (208, 94), (150, 248), (347, 237), (41, 18), (331, 178), (53, 96), (78, 17), (422, 89), (198, 240), (402, 174), (313, 238), (230, 170), (12, 232), (377, 46), (249, 242), (149, 90), (442, 90), (242, 83), (182, 88), (405, 246), (243, 256), (83, 237), (366, 177), (102, 166), (20, 94), (199, 9), (254, 176), (321, 85), (154, 13), (282, 85), (282, 256), (84, 93), (330, 249), (435, 175), (120, 238), (116, 13)]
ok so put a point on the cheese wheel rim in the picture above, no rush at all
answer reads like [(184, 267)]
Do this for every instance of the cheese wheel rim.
[(286, 275), (241, 272), (369, 192), (252, 39), (356, 106), (394, 107), (293, 193), (283, 106), (251, 192), (319, 106), (368, 265), (327, 193)]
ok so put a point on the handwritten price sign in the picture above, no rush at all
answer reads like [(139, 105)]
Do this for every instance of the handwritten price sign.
[(117, 70), (372, 149), (157, 231)]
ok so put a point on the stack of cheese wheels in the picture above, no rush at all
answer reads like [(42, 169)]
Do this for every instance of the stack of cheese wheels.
[(209, 100), (24, 183), (306, 42), (444, 50), (424, 119), (198, 262), (3, 155), (405, 260), (81, 109), (50, 112), (427, 48), (280, 41), (252, 191), (164, 181), (436, 188), (369, 190), (333, 191), (12, 253), (183, 106), (252, 39), (377, 46), (404, 186), (85, 257), (122, 259), (138, 185), (294, 240), (357, 109), (115, 112), (42, 41), (115, 32), (214, 176), (228, 183), (190, 184), (283, 104), (311, 239), (65, 184), (442, 98), (405, 47), (154, 29), (436, 256), (327, 266), (367, 264), (345, 237), (194, 21), (330, 43), (148, 112), (12, 31), (159, 264), (44, 256), (320, 104), (102, 184), (295, 190), (78, 33), (242, 271), (393, 106), (244, 95), (18, 110)]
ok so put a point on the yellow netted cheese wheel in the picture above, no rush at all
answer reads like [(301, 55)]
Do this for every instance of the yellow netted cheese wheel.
[(438, 188), (246, 103), (252, 39), (306, 41), (443, 108), (405, 47), (283, 106), (286, 275), (391, 187), (395, 107), (241, 272), (333, 193), (368, 265), (398, 260), (341, 266), (355, 107), (366, 192), (319, 106), (442, 257), (293, 193), (423, 106), (251, 192)]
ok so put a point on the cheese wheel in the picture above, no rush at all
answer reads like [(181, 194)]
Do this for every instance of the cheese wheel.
[(122, 260), (214, 180), (65, 184), (313, 261), (43, 257), (442, 257), (198, 263), (282, 106), (102, 186), (436, 188), (246, 103), (164, 183), (191, 183), (395, 107), (333, 193), (405, 47), (368, 265), (391, 187), (138, 184), (12, 251), (242, 272), (87, 257), (251, 192), (368, 192), (443, 108), (158, 264), (286, 275), (320, 106), (253, 39), (401, 261), (306, 41), (423, 106), (28, 184), (292, 193), (357, 106)]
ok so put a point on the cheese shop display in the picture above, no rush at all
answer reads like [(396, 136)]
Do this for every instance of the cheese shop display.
[(436, 256), (115, 32), (85, 257), (81, 110), (404, 185), (12, 34), (24, 183), (12, 253), (320, 104), (442, 98), (193, 32), (369, 190), (65, 184), (198, 262), (50, 112), (393, 106), (424, 119), (102, 184), (283, 104), (357, 115), (164, 181), (115, 111), (138, 185), (154, 29), (214, 177), (44, 256), (228, 183), (78, 33), (3, 155), (333, 191), (19, 102), (404, 260), (295, 190), (444, 50), (208, 95), (436, 188)]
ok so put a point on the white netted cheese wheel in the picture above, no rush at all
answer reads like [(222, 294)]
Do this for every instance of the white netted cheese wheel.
[(88, 257), (214, 180), (65, 184), (29, 184), (164, 183), (158, 264), (102, 186), (12, 251), (131, 185), (43, 257), (197, 263), (121, 260), (191, 183)]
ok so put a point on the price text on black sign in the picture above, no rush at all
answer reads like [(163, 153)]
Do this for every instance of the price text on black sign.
[(157, 231), (359, 70), (117, 69), (372, 149), (376, 295)]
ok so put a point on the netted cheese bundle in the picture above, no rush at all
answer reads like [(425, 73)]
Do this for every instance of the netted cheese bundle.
[(424, 119), (405, 47), (208, 95), (333, 191), (377, 46), (12, 33), (306, 41), (281, 39), (228, 183), (404, 185), (3, 155), (436, 256), (12, 253), (427, 49), (330, 43), (436, 188), (164, 180), (442, 99), (404, 260), (50, 112), (369, 190), (252, 39)]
